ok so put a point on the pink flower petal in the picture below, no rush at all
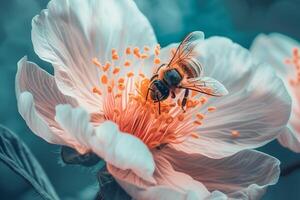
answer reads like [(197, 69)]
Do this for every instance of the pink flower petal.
[(168, 183), (245, 118), (244, 175), (37, 96), (70, 33), (276, 49)]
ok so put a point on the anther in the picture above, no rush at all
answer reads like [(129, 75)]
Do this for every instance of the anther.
[(127, 63), (181, 117), (235, 134), (156, 61), (130, 74), (96, 62), (144, 56), (107, 66), (142, 75), (97, 91), (116, 70), (109, 89), (195, 135), (146, 48), (121, 80), (211, 108), (115, 56), (198, 123), (203, 100), (169, 120), (200, 116), (128, 51), (121, 86), (157, 52), (104, 79), (118, 95), (117, 112)]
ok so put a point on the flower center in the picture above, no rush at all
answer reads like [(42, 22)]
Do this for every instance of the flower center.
[(123, 91)]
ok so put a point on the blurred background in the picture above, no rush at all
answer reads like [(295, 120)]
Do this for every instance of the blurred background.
[(240, 20)]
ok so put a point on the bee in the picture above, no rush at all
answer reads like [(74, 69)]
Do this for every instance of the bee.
[(183, 72)]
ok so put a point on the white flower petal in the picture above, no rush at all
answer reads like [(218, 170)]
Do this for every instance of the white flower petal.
[(244, 175), (257, 106), (35, 121), (290, 140), (119, 149), (168, 183), (275, 49), (70, 33), (37, 96)]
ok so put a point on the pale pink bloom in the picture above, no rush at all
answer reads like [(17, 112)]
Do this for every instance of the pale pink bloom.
[(101, 52), (283, 54)]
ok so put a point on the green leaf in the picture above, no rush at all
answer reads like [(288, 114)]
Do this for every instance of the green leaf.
[(109, 188), (72, 157), (17, 156)]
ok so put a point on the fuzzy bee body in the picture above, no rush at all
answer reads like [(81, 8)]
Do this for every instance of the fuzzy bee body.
[(184, 71)]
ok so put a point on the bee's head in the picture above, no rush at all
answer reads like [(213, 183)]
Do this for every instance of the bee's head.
[(159, 90)]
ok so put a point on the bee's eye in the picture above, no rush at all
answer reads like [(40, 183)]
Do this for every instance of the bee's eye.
[(159, 90)]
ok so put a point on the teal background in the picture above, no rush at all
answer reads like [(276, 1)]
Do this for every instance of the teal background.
[(240, 20)]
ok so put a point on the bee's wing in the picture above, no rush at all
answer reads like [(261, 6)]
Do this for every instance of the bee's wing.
[(184, 52), (206, 85)]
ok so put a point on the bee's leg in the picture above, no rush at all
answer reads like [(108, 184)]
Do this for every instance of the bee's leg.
[(158, 107), (184, 100), (173, 96), (158, 103), (148, 93)]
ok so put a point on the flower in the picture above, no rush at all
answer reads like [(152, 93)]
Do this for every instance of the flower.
[(283, 55), (102, 53)]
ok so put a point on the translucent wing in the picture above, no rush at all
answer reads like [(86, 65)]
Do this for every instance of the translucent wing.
[(184, 54), (205, 85)]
